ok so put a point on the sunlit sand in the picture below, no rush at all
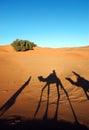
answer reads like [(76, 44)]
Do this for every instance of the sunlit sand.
[(18, 69)]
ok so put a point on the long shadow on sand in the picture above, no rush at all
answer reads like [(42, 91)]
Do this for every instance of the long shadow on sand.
[(12, 100), (52, 78), (81, 82), (20, 123)]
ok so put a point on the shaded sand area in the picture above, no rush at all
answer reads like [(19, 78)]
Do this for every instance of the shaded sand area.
[(28, 94)]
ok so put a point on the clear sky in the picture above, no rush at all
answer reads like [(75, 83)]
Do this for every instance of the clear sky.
[(48, 23)]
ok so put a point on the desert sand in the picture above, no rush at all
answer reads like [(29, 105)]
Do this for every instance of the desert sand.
[(20, 88)]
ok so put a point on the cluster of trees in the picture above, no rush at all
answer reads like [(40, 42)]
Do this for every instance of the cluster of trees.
[(23, 45)]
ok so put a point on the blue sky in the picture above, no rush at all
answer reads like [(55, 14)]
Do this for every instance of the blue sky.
[(48, 23)]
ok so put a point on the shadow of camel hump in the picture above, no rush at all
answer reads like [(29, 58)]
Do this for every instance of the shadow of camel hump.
[(80, 82), (52, 78), (12, 100)]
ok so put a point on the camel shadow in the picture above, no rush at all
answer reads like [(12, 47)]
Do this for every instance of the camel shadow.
[(52, 78), (12, 100), (81, 82)]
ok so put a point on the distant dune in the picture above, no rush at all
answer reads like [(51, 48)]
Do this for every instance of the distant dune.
[(21, 91)]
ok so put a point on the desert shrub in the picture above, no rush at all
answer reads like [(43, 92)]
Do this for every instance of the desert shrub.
[(23, 45)]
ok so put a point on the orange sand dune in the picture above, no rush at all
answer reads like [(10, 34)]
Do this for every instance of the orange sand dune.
[(21, 97)]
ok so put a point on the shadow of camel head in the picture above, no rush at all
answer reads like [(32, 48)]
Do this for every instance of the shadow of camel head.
[(41, 79)]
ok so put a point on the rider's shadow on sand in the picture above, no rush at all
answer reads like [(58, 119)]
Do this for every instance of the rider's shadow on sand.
[(52, 79)]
